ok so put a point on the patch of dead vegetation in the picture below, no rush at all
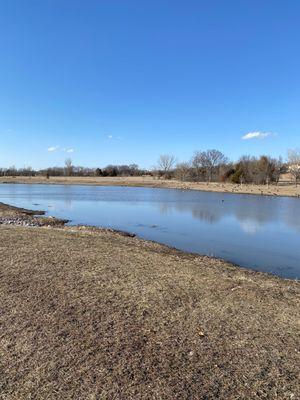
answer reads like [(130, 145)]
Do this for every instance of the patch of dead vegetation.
[(96, 315)]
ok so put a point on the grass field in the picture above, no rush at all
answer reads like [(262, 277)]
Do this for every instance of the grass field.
[(92, 314)]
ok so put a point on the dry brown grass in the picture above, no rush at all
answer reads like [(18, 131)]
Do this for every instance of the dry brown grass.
[(7, 210), (95, 315), (148, 181)]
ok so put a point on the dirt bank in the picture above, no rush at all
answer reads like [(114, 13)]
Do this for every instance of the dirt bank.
[(92, 314), (283, 189)]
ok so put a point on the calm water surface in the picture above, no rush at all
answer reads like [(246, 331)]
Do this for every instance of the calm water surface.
[(257, 232)]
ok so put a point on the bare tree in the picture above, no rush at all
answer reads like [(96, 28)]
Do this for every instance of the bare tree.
[(165, 163), (294, 163), (183, 171), (214, 160), (68, 167), (198, 164), (208, 162)]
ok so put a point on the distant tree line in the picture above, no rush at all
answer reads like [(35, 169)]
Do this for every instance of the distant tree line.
[(71, 170), (214, 166), (13, 171), (204, 166)]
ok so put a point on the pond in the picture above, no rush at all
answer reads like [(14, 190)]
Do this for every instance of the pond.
[(257, 232)]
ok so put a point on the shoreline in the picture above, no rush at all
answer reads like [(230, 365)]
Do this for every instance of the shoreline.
[(281, 190), (20, 217)]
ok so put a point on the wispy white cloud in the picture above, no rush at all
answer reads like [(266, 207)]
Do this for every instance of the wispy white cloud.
[(52, 149), (112, 137), (68, 150), (256, 135)]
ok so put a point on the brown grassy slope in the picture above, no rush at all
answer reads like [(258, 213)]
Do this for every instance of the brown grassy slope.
[(87, 315), (10, 211), (148, 181)]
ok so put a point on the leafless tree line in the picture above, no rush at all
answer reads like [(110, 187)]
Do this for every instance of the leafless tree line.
[(204, 166), (70, 169), (214, 166)]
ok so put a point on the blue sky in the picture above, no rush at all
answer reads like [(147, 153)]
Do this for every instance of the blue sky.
[(107, 81)]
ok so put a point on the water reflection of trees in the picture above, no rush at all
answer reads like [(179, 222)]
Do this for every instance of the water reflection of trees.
[(252, 212), (292, 215), (202, 212), (258, 209)]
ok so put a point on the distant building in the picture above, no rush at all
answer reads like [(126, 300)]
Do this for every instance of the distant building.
[(294, 167)]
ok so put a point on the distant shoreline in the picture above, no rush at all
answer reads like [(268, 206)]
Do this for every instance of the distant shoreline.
[(286, 190)]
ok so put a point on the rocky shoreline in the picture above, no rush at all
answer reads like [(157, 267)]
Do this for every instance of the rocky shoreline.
[(19, 221), (10, 215)]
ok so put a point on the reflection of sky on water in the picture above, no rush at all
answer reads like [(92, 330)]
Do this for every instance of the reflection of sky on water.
[(254, 231)]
